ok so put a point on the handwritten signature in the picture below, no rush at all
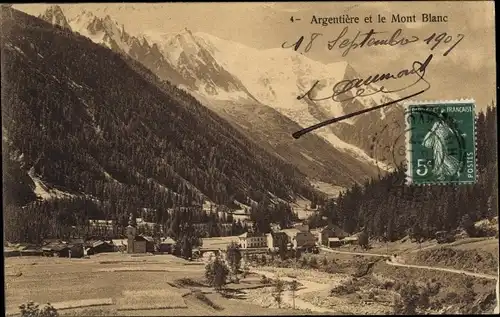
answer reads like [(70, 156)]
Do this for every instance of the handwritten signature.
[(361, 84)]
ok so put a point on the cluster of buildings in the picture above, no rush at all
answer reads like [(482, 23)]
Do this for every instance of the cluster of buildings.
[(300, 237), (333, 236), (77, 248), (107, 227)]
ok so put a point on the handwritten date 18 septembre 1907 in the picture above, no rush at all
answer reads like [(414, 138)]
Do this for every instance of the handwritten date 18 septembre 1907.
[(373, 38)]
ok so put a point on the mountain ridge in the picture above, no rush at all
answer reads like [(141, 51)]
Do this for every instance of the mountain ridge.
[(76, 97), (188, 61)]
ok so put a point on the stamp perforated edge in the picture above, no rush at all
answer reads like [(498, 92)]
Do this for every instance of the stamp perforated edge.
[(408, 169)]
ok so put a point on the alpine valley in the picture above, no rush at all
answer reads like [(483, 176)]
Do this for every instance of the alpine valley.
[(192, 151), (154, 171)]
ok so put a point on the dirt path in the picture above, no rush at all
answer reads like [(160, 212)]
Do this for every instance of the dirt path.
[(355, 253), (307, 287), (452, 244), (394, 262)]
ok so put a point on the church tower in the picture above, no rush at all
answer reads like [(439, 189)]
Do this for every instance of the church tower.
[(131, 231)]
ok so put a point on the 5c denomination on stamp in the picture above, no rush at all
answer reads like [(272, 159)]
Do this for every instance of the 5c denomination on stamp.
[(441, 142)]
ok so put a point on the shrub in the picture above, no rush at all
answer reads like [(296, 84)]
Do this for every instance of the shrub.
[(278, 263), (411, 300), (331, 268), (344, 289), (313, 263), (304, 263), (388, 285), (32, 310), (363, 240), (265, 280), (263, 259), (279, 288), (371, 295), (234, 257), (452, 298), (324, 261), (397, 286), (216, 273), (188, 282), (469, 295), (433, 288), (246, 271)]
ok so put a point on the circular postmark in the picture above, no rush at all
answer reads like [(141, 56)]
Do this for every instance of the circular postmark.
[(425, 143)]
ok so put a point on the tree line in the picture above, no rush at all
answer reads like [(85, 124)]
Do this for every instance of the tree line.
[(387, 209), (69, 218)]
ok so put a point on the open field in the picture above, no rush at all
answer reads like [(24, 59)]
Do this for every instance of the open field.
[(145, 285), (218, 242), (487, 245), (72, 284)]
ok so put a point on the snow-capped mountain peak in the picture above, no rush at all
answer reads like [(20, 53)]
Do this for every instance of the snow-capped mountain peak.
[(55, 15), (283, 74), (220, 70), (201, 72), (183, 42)]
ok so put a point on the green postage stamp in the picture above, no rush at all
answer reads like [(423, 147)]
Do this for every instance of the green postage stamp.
[(441, 142)]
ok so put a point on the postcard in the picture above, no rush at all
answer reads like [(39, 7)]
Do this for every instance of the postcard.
[(244, 158)]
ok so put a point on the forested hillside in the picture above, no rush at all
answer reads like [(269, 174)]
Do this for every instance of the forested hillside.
[(388, 208), (79, 122)]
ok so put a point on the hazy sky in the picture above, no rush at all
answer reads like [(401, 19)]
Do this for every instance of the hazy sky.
[(467, 72)]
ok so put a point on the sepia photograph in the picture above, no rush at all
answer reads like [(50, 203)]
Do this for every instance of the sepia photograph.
[(249, 158)]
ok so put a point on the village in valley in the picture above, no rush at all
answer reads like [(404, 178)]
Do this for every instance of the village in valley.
[(149, 237), (296, 269)]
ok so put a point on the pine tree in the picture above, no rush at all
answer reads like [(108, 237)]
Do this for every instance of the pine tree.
[(216, 273), (234, 258), (294, 286), (279, 288)]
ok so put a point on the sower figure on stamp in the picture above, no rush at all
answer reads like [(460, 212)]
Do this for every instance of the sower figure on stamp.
[(444, 164)]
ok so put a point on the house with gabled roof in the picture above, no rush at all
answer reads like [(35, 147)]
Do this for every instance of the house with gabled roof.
[(299, 238), (275, 239), (252, 240), (98, 246), (331, 231), (166, 245)]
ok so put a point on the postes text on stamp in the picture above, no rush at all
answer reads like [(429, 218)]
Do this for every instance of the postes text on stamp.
[(441, 142)]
